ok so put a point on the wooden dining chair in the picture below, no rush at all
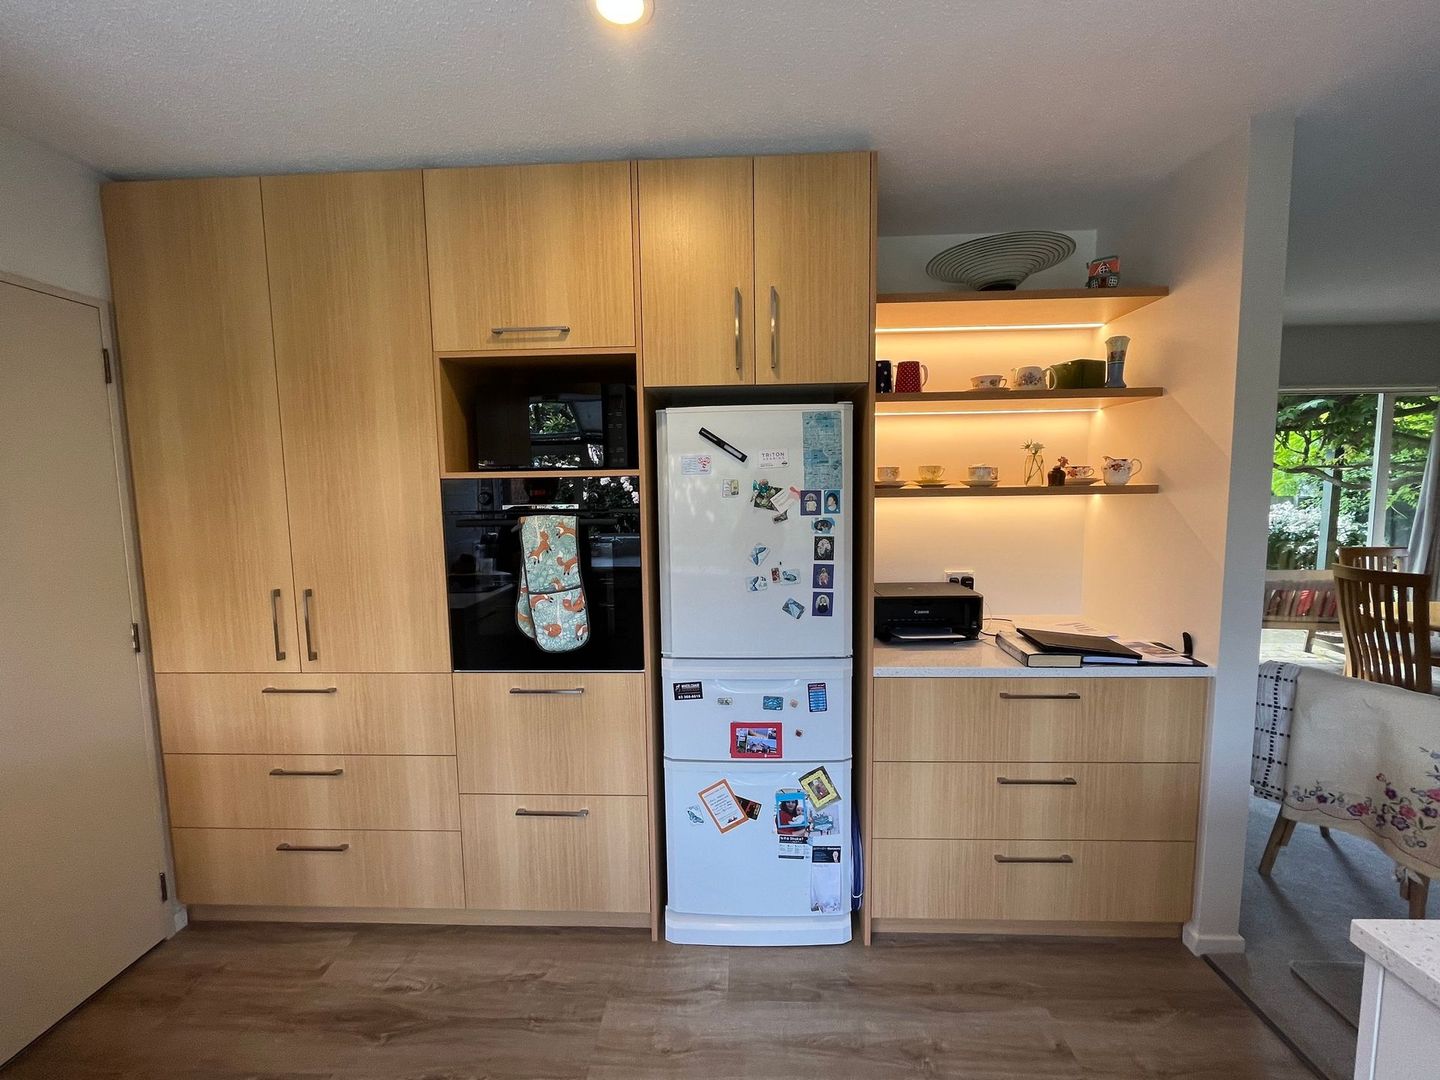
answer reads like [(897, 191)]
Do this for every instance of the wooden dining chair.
[(1374, 558), (1385, 621)]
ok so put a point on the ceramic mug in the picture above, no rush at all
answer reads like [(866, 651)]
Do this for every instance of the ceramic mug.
[(988, 382), (1062, 376), (1031, 377), (983, 472), (1119, 470), (1079, 472), (911, 377), (932, 474), (887, 474), (884, 377)]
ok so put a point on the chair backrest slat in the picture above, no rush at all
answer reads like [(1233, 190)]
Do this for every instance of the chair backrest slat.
[(1374, 558), (1385, 621)]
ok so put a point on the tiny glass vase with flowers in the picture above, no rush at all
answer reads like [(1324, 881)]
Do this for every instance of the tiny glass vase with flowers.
[(1034, 463)]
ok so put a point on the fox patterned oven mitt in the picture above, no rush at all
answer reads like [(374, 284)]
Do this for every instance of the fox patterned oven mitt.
[(550, 608)]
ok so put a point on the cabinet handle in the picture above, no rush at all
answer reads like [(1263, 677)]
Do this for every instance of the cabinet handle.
[(1064, 859), (275, 623), (307, 772), (306, 599), (299, 689), (1072, 696), (520, 811), (570, 690), (739, 349), (1063, 781), (774, 329), (312, 847), (500, 331)]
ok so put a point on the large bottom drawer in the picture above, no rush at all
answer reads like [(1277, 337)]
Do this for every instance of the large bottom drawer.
[(319, 868), (1062, 881), (556, 852)]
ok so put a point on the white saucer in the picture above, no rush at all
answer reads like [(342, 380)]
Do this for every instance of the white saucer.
[(1081, 481), (980, 483), (932, 483), (891, 483)]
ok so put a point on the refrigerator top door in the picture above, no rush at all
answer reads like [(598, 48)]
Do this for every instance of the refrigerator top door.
[(756, 711), (755, 554)]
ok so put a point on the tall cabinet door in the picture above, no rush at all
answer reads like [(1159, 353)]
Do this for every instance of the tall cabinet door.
[(187, 268), (531, 256), (352, 352), (813, 261), (697, 250)]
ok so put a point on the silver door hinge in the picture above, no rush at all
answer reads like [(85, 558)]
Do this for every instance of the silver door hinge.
[(105, 359), (135, 636)]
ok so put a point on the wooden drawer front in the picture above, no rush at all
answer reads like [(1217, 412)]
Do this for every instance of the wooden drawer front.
[(1039, 719), (376, 869), (284, 791), (966, 800), (263, 714), (1106, 881), (542, 861), (563, 734)]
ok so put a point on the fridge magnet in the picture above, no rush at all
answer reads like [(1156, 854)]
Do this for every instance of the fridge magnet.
[(824, 549), (827, 881), (816, 694), (832, 502), (784, 515), (823, 440), (695, 464), (775, 574), (789, 576), (819, 787), (725, 702), (688, 691), (759, 584), (793, 608), (822, 576), (719, 802), (810, 502), (735, 452), (822, 604), (823, 526), (756, 740), (772, 703), (694, 814), (774, 459), (763, 497), (750, 806), (792, 824), (729, 488), (758, 553), (822, 826)]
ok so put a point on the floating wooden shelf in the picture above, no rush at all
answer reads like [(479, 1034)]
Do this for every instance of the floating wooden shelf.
[(1029, 401), (1000, 492), (539, 474), (1040, 308)]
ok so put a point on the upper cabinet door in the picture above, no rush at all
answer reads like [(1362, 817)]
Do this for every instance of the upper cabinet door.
[(531, 257), (697, 255), (352, 350), (814, 232), (187, 268)]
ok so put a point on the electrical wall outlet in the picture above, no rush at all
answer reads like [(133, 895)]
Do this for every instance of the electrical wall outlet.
[(964, 576)]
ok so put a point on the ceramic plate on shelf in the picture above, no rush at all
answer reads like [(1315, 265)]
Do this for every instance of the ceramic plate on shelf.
[(1081, 481), (980, 483), (891, 483), (933, 483)]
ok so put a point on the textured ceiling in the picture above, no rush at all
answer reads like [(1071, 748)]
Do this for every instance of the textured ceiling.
[(1040, 113)]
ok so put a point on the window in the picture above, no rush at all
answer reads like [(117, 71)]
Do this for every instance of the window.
[(1346, 471)]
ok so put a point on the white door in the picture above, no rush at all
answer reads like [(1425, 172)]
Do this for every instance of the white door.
[(755, 554), (81, 837)]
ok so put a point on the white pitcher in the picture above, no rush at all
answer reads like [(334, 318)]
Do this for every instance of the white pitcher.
[(1119, 470)]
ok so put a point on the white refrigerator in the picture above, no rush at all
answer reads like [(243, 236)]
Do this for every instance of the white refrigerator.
[(755, 586)]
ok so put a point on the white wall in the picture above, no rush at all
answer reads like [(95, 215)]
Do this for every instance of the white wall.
[(900, 262), (50, 227), (1371, 356), (1193, 557)]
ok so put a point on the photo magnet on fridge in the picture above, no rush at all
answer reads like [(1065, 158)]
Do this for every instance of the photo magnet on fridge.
[(719, 801), (793, 608), (750, 806), (823, 525), (822, 576), (822, 604), (756, 740), (832, 502), (809, 502), (729, 488), (824, 549), (789, 576), (758, 554), (819, 787), (772, 703), (759, 584)]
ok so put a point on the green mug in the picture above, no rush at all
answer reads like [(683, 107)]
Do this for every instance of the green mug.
[(1063, 376), (1090, 374)]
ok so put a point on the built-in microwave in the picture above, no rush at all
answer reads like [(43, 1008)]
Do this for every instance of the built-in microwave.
[(539, 419), (483, 567)]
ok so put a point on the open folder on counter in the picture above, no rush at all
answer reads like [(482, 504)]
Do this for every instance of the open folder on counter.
[(1038, 647)]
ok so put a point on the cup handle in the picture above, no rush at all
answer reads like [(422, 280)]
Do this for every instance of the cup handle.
[(1135, 466), (1004, 381), (1049, 379), (924, 376)]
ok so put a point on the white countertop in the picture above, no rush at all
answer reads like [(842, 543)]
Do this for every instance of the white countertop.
[(984, 659), (1407, 948)]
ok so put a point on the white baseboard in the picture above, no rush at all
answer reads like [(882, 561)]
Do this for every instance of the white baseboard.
[(1210, 944)]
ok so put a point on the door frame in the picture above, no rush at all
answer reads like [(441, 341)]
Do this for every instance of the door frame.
[(134, 579)]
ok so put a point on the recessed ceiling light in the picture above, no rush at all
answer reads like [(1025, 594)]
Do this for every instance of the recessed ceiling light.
[(624, 12)]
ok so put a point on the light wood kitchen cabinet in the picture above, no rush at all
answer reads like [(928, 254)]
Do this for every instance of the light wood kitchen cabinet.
[(697, 285), (814, 268), (187, 268), (352, 353), (526, 257)]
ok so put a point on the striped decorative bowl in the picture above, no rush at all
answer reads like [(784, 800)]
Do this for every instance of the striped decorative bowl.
[(1001, 261)]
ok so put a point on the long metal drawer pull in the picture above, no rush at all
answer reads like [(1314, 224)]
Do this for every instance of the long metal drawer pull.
[(520, 811), (275, 623), (568, 690), (307, 772), (299, 689), (501, 330), (1066, 859), (308, 597), (739, 349), (1072, 696), (774, 329), (312, 847), (1062, 781)]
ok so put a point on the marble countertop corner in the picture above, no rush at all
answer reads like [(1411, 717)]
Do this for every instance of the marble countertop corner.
[(1408, 948)]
